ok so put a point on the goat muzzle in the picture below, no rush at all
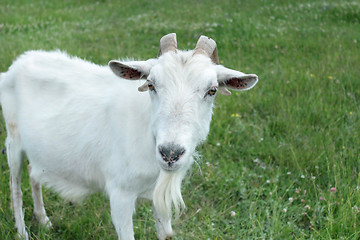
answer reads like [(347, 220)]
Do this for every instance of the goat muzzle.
[(171, 153)]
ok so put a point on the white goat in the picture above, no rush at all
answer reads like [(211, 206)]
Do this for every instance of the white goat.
[(84, 130)]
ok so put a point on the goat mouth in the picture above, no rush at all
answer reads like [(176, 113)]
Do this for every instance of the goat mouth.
[(170, 166)]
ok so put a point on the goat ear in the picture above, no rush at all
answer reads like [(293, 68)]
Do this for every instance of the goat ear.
[(132, 71), (234, 80)]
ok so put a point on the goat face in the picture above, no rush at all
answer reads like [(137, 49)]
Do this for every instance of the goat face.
[(182, 90), (182, 87)]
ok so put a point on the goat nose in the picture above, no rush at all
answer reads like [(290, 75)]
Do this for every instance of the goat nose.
[(171, 153)]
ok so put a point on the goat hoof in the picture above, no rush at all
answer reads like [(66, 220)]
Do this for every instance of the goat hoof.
[(23, 236), (46, 223), (43, 220)]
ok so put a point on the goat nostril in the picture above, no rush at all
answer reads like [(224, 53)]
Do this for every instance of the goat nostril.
[(171, 152)]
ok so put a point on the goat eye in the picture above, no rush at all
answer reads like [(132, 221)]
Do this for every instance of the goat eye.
[(212, 92), (151, 87)]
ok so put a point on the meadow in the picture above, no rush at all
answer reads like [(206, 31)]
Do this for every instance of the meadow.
[(281, 160)]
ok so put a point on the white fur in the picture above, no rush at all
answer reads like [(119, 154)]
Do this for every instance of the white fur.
[(85, 130)]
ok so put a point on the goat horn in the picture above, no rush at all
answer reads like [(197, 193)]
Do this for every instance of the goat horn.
[(168, 43), (207, 46)]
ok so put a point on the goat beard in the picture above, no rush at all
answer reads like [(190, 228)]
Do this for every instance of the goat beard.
[(167, 194)]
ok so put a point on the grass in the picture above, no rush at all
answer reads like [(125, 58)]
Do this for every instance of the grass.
[(273, 153)]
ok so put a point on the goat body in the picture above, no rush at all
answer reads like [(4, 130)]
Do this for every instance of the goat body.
[(85, 130)]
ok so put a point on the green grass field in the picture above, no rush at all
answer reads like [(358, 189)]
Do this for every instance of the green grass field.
[(273, 153)]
